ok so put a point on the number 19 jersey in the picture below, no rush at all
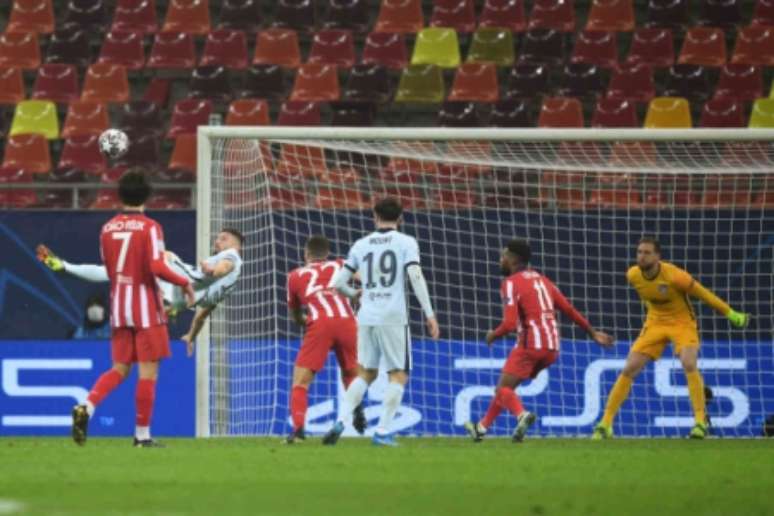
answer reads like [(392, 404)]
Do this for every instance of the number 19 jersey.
[(381, 259)]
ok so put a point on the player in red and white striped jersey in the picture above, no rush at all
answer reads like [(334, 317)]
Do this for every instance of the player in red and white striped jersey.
[(132, 249), (330, 324), (531, 300)]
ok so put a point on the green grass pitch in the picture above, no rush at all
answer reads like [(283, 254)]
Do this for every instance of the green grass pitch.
[(424, 477)]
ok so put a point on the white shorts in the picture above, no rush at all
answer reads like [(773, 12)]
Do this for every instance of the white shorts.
[(391, 342)]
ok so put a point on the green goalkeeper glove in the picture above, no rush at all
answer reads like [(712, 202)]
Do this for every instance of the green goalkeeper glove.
[(738, 319), (49, 259)]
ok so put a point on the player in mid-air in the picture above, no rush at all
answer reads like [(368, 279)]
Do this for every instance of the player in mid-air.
[(383, 260), (213, 280), (664, 289), (330, 324), (132, 249), (530, 303)]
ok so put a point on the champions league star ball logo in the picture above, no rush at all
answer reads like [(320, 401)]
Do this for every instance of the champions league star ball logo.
[(663, 289)]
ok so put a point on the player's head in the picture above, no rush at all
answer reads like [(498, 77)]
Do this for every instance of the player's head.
[(515, 256), (134, 188), (648, 252), (317, 248), (388, 211), (228, 238)]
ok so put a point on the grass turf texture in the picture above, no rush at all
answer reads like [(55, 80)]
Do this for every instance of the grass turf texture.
[(423, 476)]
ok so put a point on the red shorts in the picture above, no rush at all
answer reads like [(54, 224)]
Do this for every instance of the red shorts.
[(338, 334), (527, 363), (129, 345)]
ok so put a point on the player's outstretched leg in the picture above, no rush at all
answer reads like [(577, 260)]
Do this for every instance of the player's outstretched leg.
[(475, 431), (526, 420), (80, 424)]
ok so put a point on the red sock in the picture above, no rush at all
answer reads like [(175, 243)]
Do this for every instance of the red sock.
[(492, 412), (508, 399), (298, 404), (144, 397), (104, 386), (346, 378)]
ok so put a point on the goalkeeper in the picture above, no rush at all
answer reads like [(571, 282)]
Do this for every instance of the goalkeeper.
[(664, 289)]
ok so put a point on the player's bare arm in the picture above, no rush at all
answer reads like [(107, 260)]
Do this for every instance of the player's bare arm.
[(218, 270), (202, 313)]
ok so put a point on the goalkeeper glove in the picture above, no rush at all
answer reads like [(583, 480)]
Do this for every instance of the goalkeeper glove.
[(49, 259), (738, 319)]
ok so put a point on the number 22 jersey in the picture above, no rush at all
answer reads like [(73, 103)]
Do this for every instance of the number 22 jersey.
[(310, 286)]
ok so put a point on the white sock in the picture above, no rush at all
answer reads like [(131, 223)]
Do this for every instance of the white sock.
[(393, 395), (353, 396), (142, 433), (90, 408)]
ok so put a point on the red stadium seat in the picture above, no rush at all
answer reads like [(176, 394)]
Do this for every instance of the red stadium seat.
[(653, 47), (507, 14), (597, 48), (723, 112), (172, 50), (11, 86), (351, 15), (83, 153), (69, 46), (315, 83), (632, 82), (763, 14), (35, 16), (611, 15), (123, 48), (85, 118), (57, 83), (16, 198), (301, 161), (170, 199), (459, 15), (189, 16), (339, 191), (403, 16), (386, 49), (704, 46), (19, 50), (615, 113), (476, 82), (558, 15), (141, 116), (225, 48), (248, 112), (615, 199), (243, 15), (29, 152), (188, 115), (106, 200), (182, 162), (157, 91), (334, 47), (135, 16), (561, 112), (754, 46), (277, 47), (741, 82), (299, 113), (106, 83), (298, 15)]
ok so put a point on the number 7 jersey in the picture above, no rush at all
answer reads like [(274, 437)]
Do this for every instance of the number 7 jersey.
[(310, 286)]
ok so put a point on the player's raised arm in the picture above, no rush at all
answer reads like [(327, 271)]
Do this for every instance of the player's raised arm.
[(159, 267), (87, 271), (563, 304), (693, 288)]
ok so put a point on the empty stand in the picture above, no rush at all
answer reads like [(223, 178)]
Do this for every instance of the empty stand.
[(277, 47), (597, 48), (57, 83), (421, 84), (135, 16), (668, 113), (85, 118), (106, 83), (123, 48), (459, 15), (403, 16), (225, 47), (36, 116), (189, 16), (316, 83), (35, 16), (335, 47), (475, 82), (29, 152), (506, 14), (386, 49), (172, 50), (299, 113), (561, 112), (437, 46), (492, 45), (295, 14)]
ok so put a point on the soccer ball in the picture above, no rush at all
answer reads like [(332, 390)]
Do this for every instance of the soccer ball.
[(113, 143)]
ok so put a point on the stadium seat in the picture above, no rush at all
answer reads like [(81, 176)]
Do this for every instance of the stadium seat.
[(386, 49), (368, 83), (182, 162), (668, 113), (437, 46), (614, 113), (19, 50), (57, 83), (69, 47), (668, 14), (689, 81), (611, 15), (189, 16), (741, 82), (83, 153), (106, 199), (506, 14), (597, 48), (316, 83), (170, 199), (225, 47), (141, 116), (459, 15), (458, 114), (339, 190), (351, 15), (85, 118), (135, 16), (35, 16), (265, 81), (615, 199), (106, 83), (188, 115), (421, 84), (242, 15), (143, 152), (210, 82), (277, 47), (248, 112), (123, 48), (723, 112), (301, 161), (558, 15), (352, 114), (561, 112), (724, 14), (762, 115), (63, 198), (703, 46), (581, 80), (35, 117), (492, 45), (157, 91), (511, 113), (475, 82), (633, 82), (653, 47), (29, 152), (404, 16), (297, 15), (544, 46), (527, 81), (754, 46), (11, 86), (299, 113), (763, 13), (172, 50), (17, 197), (335, 47), (87, 15)]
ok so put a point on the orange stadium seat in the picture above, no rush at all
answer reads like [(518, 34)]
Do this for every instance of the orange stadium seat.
[(188, 115), (83, 153), (615, 199), (459, 15), (225, 47), (189, 16), (507, 14), (29, 152), (182, 162), (57, 83), (611, 15), (632, 82), (557, 15), (11, 86), (704, 46), (339, 189), (742, 82), (19, 50), (85, 118), (597, 48), (653, 47), (316, 83), (123, 48), (277, 47), (172, 50), (35, 16), (16, 198), (301, 161), (106, 83), (611, 112), (248, 112), (335, 47), (299, 113), (476, 82), (135, 16), (561, 112), (754, 46), (403, 16)]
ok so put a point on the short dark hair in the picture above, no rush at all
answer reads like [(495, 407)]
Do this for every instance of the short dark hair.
[(233, 231), (651, 240), (520, 248), (318, 246), (388, 209), (133, 187)]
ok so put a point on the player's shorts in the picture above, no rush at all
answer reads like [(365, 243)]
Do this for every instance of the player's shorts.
[(392, 342), (654, 338), (322, 336), (129, 345), (527, 363)]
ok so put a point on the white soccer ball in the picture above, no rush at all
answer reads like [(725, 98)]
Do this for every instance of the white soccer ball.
[(113, 143)]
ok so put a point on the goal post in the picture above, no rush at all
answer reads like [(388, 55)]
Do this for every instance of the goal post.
[(582, 197)]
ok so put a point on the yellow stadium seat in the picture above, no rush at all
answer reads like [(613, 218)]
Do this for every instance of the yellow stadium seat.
[(422, 84), (492, 45), (771, 92), (762, 115), (36, 117), (668, 113), (437, 46)]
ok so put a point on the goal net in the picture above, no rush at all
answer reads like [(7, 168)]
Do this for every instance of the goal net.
[(583, 198)]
